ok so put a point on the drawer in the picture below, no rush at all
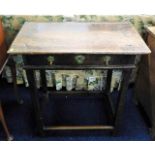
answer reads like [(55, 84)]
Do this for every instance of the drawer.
[(80, 59)]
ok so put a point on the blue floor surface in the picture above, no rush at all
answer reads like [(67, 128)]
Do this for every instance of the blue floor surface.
[(75, 110)]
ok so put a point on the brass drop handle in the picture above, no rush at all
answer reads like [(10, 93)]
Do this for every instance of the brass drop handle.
[(50, 60), (106, 60), (79, 59)]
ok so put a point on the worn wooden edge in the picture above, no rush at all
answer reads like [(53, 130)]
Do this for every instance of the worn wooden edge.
[(148, 29), (81, 67), (80, 93), (140, 37), (89, 127), (83, 52)]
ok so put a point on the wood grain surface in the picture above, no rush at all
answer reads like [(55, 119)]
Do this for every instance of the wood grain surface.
[(151, 30), (75, 38)]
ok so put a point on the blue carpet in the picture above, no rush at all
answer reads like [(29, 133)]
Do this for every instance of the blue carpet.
[(75, 110)]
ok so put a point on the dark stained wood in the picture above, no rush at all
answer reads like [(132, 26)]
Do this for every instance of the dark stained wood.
[(108, 82), (109, 109), (121, 99), (44, 87), (151, 42), (108, 103), (35, 101), (80, 59), (12, 64), (76, 38), (145, 83), (68, 46), (43, 80), (79, 67), (151, 30), (92, 127)]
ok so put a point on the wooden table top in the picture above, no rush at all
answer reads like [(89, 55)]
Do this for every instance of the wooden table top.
[(75, 38), (151, 29)]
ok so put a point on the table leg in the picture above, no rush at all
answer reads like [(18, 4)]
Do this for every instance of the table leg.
[(35, 101), (108, 102), (44, 86), (121, 99), (108, 83), (14, 77)]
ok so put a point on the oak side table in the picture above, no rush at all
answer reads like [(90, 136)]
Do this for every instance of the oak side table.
[(77, 46)]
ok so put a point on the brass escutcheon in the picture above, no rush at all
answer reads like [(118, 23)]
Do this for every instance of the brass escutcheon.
[(106, 60), (50, 60), (80, 59)]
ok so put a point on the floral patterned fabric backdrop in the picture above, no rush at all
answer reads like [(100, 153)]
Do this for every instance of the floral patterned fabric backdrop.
[(89, 79)]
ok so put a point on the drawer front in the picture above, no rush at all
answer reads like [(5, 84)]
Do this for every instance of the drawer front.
[(80, 59)]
